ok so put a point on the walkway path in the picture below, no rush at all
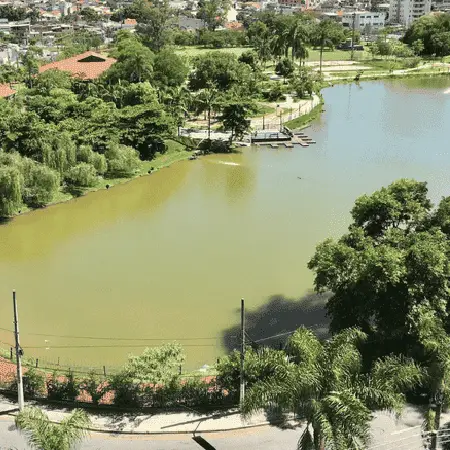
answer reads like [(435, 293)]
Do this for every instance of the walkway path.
[(289, 109), (387, 434)]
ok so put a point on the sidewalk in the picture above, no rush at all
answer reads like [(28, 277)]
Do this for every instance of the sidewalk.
[(159, 423)]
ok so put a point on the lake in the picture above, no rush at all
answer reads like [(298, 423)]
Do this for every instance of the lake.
[(169, 256)]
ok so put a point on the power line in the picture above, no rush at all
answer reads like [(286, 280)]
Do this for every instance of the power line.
[(103, 338), (5, 329), (107, 346)]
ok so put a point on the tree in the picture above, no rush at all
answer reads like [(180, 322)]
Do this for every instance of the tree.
[(327, 34), (285, 68), (325, 385), (30, 62), (441, 43), (250, 57), (51, 79), (90, 15), (134, 62), (431, 30), (81, 176), (206, 100), (235, 115), (218, 70), (305, 82), (213, 12), (169, 69), (40, 184), (45, 435), (393, 259), (156, 365), (300, 37), (144, 128), (258, 365), (12, 13), (417, 47), (123, 161), (11, 186), (155, 24), (435, 342), (384, 48)]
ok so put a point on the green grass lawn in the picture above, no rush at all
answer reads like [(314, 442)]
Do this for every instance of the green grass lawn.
[(337, 55), (195, 51), (263, 109)]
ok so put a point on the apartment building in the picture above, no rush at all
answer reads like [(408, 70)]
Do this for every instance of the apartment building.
[(405, 12), (364, 20)]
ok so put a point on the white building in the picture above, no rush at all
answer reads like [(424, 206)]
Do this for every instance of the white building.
[(441, 5), (364, 20), (405, 12)]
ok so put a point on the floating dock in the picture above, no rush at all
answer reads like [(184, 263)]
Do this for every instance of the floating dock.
[(286, 138)]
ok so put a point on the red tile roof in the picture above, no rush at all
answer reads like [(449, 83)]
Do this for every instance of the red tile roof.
[(6, 91), (82, 69), (130, 22), (234, 26)]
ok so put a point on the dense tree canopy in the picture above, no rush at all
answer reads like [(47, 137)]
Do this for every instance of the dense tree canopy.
[(393, 259), (433, 31)]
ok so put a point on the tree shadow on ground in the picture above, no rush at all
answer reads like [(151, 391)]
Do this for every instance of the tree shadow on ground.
[(270, 323)]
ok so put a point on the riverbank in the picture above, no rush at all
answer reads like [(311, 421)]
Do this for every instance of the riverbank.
[(304, 120), (175, 152)]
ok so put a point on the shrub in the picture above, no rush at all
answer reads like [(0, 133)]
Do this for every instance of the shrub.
[(275, 93), (123, 161), (33, 384), (99, 162), (40, 183), (127, 393), (94, 387), (82, 175), (87, 155), (63, 389)]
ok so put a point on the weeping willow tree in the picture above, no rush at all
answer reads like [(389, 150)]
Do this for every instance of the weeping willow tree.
[(325, 385), (11, 184)]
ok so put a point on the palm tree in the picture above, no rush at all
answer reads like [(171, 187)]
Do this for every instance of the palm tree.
[(44, 435), (299, 37), (207, 100), (324, 384), (327, 34)]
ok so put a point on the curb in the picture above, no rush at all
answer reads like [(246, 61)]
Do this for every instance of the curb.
[(193, 431)]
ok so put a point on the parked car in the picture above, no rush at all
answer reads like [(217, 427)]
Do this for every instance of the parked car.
[(347, 46)]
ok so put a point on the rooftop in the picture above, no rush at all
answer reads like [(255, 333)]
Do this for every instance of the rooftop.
[(6, 91), (89, 65)]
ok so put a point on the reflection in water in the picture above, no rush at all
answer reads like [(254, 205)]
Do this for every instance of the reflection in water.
[(169, 257)]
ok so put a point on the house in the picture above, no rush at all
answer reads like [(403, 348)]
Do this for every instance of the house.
[(89, 65)]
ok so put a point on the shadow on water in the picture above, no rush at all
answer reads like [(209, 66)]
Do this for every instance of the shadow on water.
[(281, 315)]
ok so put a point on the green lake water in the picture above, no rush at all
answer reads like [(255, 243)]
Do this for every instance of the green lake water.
[(169, 256)]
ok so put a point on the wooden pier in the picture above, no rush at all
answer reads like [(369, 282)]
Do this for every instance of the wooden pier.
[(288, 138)]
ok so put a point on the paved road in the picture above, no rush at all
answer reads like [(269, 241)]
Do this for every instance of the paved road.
[(388, 434)]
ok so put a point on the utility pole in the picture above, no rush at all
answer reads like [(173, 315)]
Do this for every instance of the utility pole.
[(353, 36), (19, 353), (242, 381)]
